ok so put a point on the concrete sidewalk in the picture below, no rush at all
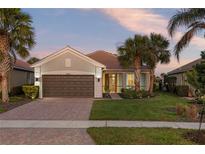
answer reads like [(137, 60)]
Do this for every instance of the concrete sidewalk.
[(95, 123)]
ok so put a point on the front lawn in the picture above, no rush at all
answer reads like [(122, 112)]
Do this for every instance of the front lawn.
[(142, 136), (159, 108), (14, 101)]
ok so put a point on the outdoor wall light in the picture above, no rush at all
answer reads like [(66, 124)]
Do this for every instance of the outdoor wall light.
[(36, 79)]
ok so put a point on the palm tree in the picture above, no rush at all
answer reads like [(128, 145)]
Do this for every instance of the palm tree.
[(130, 53), (16, 38), (156, 53), (193, 20), (32, 60)]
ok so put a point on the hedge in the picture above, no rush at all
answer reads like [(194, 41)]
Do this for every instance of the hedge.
[(182, 90), (31, 91), (132, 94)]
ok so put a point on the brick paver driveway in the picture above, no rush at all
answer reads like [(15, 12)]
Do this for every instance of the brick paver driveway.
[(48, 109), (51, 109)]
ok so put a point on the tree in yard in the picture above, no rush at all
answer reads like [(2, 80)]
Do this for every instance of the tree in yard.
[(130, 53), (33, 60), (16, 38), (155, 53), (192, 20), (196, 78), (200, 69)]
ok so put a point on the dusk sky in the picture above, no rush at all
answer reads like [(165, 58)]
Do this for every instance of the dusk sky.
[(104, 29)]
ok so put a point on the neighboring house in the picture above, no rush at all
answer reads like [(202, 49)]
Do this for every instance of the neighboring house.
[(180, 74), (21, 74), (69, 73)]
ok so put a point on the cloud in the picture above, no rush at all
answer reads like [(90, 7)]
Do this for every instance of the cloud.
[(145, 21), (138, 20)]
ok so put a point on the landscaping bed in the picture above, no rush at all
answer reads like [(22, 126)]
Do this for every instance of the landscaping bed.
[(14, 102), (159, 108), (142, 136)]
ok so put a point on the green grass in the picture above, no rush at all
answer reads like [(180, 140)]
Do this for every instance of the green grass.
[(142, 136), (161, 107), (13, 100)]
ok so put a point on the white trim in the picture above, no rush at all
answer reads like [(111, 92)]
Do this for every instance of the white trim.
[(65, 50), (67, 72)]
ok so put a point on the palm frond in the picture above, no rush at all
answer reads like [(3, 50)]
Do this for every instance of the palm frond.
[(18, 26), (185, 17), (187, 37)]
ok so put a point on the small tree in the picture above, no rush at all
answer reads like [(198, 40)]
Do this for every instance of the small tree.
[(196, 78), (200, 69), (33, 60)]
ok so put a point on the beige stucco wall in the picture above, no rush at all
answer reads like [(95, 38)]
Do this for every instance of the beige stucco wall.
[(78, 66)]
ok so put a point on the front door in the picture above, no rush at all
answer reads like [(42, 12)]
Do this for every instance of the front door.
[(113, 83)]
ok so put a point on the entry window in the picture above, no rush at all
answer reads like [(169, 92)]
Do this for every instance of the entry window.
[(130, 80), (143, 81), (119, 83)]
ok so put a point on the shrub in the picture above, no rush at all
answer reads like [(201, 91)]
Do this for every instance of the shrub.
[(16, 91), (192, 112), (31, 91), (170, 81), (155, 87), (182, 91), (180, 109), (144, 93), (128, 93), (132, 94)]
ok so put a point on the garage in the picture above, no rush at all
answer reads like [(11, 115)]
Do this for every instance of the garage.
[(68, 85)]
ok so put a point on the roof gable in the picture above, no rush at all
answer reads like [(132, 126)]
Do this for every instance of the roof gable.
[(66, 50)]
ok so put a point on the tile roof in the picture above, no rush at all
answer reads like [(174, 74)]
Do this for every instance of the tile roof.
[(110, 60), (185, 68), (19, 64)]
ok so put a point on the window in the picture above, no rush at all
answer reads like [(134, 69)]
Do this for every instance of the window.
[(119, 83), (143, 81), (67, 62), (130, 80)]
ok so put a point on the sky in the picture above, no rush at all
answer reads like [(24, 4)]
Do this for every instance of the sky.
[(88, 30)]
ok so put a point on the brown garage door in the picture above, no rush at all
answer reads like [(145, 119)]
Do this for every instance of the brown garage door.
[(68, 85)]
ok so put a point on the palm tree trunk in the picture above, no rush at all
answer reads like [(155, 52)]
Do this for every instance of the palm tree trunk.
[(151, 81), (4, 85), (4, 48), (137, 73)]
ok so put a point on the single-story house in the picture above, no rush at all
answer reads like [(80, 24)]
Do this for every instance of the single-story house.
[(70, 73), (180, 75), (21, 74), (180, 72)]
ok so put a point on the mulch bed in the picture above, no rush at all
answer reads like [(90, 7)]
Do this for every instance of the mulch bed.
[(11, 105), (196, 136)]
